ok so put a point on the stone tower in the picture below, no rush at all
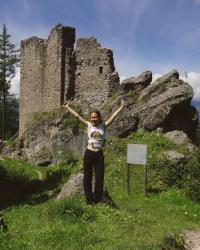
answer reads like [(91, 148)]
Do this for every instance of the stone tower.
[(53, 71)]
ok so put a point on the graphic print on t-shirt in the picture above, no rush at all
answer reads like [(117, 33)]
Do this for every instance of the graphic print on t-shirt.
[(95, 135)]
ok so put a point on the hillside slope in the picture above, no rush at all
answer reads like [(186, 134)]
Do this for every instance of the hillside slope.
[(137, 222)]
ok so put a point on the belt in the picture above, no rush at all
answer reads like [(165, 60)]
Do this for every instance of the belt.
[(91, 147)]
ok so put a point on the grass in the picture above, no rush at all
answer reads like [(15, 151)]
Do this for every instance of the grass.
[(22, 183), (138, 223), (70, 121), (41, 117)]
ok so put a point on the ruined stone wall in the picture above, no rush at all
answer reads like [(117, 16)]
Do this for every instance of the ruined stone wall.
[(60, 40), (33, 54), (52, 72), (43, 72), (95, 77)]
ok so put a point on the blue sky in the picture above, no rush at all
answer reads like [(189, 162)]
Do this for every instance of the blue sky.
[(158, 35)]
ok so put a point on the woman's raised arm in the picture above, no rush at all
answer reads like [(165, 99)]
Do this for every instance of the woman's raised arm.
[(111, 119), (66, 106)]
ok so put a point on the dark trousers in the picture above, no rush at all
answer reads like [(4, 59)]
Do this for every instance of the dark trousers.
[(93, 160)]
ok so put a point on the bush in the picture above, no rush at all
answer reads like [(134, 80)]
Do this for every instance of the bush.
[(184, 175), (173, 241), (171, 174), (192, 182), (72, 121)]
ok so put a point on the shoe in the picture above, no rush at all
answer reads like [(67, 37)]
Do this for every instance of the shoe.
[(91, 203)]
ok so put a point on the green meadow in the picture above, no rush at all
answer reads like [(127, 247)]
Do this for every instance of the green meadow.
[(35, 220)]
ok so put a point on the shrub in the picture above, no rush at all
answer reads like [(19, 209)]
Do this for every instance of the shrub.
[(192, 182), (172, 174), (184, 175), (173, 241), (70, 209), (72, 122)]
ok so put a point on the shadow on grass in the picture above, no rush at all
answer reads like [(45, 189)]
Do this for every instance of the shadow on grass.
[(154, 190), (18, 189)]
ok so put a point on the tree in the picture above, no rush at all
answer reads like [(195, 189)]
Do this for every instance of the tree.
[(9, 58)]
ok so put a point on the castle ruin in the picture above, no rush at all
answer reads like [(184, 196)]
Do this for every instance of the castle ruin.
[(52, 71)]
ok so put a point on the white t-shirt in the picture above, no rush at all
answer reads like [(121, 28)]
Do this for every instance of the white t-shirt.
[(96, 135)]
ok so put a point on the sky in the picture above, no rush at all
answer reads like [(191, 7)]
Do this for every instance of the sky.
[(156, 35)]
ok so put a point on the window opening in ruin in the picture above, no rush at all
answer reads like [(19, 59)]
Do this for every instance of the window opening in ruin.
[(100, 69)]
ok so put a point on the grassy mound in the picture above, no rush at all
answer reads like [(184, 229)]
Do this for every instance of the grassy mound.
[(138, 222)]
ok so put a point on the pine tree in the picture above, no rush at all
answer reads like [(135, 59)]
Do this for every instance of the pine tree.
[(9, 58)]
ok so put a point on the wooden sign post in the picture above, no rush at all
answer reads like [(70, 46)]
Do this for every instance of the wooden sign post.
[(137, 154)]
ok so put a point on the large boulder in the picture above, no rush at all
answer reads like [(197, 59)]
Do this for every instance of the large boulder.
[(172, 157), (49, 141), (166, 104), (72, 187), (180, 138), (137, 83)]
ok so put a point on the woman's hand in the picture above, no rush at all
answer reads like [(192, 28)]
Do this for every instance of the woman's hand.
[(122, 103), (66, 104), (73, 112), (67, 107)]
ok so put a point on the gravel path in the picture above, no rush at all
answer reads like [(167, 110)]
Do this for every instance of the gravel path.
[(192, 239)]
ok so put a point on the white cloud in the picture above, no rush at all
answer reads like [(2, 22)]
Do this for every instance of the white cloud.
[(156, 76), (122, 78), (193, 78), (197, 1), (15, 83)]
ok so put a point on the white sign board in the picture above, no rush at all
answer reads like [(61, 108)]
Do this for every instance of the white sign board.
[(137, 154)]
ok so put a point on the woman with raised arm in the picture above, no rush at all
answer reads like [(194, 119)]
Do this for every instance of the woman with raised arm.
[(93, 157)]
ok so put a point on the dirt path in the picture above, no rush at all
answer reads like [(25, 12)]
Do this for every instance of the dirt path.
[(192, 239)]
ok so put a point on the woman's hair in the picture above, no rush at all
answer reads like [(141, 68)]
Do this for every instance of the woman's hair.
[(97, 112)]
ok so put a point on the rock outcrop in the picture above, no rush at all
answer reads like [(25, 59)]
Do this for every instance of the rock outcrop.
[(53, 71), (166, 104), (180, 138), (72, 187), (163, 104), (137, 83)]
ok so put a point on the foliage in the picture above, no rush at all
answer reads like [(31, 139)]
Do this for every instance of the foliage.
[(132, 94), (72, 122), (173, 174), (42, 117), (9, 143), (198, 134), (192, 181), (9, 58), (12, 119), (21, 182), (111, 100), (173, 241), (185, 175)]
